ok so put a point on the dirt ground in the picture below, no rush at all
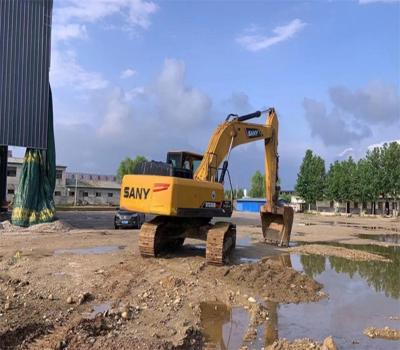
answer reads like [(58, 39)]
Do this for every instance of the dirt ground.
[(83, 285)]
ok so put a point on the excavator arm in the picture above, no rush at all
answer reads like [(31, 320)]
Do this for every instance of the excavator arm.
[(276, 220)]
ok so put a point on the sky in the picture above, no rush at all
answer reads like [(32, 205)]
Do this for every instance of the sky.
[(141, 77)]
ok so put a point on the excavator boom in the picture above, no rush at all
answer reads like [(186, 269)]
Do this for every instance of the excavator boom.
[(276, 220)]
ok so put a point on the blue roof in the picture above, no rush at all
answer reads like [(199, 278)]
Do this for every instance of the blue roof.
[(252, 200)]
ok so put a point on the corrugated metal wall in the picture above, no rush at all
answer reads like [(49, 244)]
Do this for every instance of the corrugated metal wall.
[(25, 38)]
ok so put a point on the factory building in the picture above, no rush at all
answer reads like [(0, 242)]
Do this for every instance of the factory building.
[(71, 188)]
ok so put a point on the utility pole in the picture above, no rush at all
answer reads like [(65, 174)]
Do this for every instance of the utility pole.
[(76, 189)]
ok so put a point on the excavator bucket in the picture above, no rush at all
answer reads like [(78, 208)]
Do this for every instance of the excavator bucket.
[(277, 224)]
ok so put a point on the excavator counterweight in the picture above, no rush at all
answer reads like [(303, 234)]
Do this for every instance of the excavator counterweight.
[(187, 192)]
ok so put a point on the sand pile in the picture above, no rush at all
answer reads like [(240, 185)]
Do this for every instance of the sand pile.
[(48, 227)]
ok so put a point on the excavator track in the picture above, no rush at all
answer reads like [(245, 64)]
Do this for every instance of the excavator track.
[(221, 239), (160, 234), (148, 240)]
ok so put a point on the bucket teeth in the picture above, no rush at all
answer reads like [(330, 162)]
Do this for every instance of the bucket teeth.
[(277, 225)]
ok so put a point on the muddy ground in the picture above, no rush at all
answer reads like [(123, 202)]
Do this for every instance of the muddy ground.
[(83, 285)]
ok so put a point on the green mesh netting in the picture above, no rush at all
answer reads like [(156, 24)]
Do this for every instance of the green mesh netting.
[(33, 201)]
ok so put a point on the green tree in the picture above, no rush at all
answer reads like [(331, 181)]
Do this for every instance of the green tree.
[(128, 166), (390, 170), (285, 196), (334, 181), (364, 190), (311, 178), (257, 185), (341, 181), (237, 193)]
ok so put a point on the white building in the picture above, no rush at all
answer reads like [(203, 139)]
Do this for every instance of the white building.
[(71, 188)]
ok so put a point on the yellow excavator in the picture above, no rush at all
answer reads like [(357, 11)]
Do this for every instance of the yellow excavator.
[(187, 192)]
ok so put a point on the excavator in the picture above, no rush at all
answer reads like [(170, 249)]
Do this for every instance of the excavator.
[(187, 192)]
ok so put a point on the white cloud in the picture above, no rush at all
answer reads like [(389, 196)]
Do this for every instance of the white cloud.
[(238, 103), (375, 103), (177, 101), (63, 32), (116, 116), (380, 144), (346, 151), (355, 115), (255, 42), (136, 92), (365, 2), (66, 71), (135, 12), (127, 73), (331, 127), (166, 109)]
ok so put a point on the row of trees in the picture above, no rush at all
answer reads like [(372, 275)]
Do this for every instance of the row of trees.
[(377, 175), (128, 165)]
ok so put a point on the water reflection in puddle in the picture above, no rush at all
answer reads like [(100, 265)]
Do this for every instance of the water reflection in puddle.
[(98, 309), (361, 294), (353, 225), (225, 327), (91, 250), (388, 238)]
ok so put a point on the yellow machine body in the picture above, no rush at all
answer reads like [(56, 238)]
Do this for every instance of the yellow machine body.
[(187, 191), (171, 196)]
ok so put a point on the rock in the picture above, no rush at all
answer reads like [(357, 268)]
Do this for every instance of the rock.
[(177, 301), (7, 306), (70, 300), (50, 297), (125, 315), (82, 298), (329, 344), (251, 300)]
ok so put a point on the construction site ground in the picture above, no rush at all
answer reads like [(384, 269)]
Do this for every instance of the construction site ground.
[(80, 284)]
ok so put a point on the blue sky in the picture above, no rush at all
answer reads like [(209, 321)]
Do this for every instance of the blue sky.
[(136, 77)]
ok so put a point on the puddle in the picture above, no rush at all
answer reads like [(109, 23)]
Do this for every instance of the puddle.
[(98, 309), (245, 241), (243, 260), (353, 225), (361, 294), (91, 250), (62, 273), (388, 238), (223, 326)]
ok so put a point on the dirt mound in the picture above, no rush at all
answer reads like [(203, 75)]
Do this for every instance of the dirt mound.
[(298, 344), (48, 227), (384, 333), (269, 279), (12, 338), (340, 252), (301, 344)]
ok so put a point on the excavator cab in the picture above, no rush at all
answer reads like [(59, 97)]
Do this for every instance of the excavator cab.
[(184, 163)]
